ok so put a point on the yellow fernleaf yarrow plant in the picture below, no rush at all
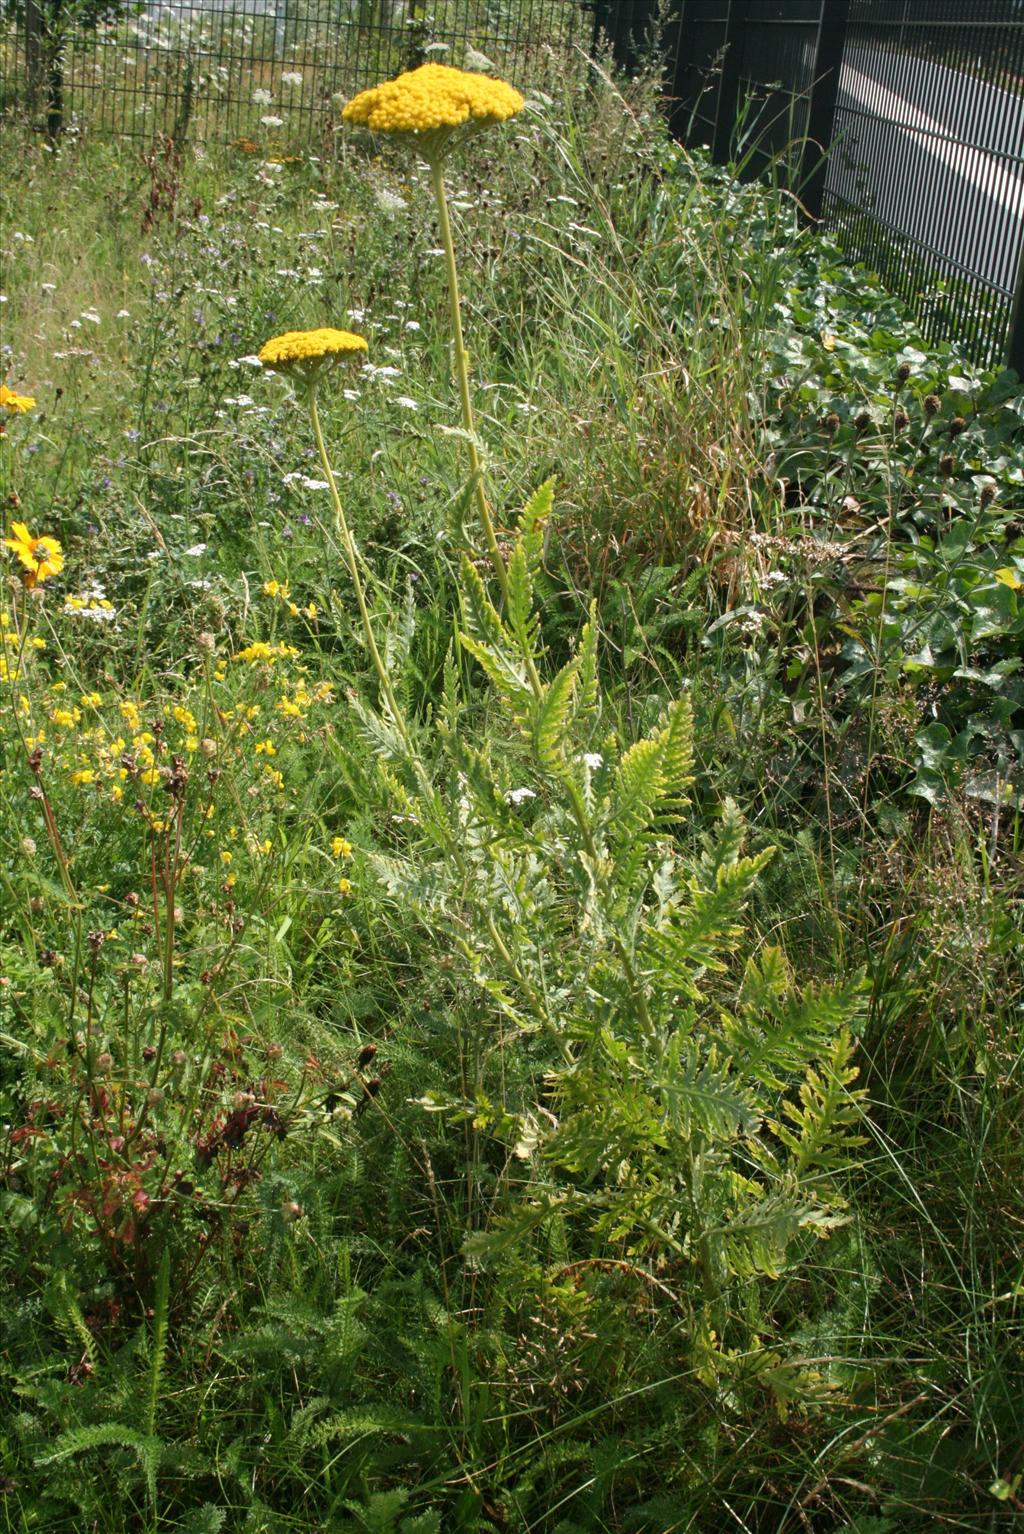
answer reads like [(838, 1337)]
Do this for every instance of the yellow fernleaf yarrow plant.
[(690, 1122), (305, 356), (435, 109), (435, 106)]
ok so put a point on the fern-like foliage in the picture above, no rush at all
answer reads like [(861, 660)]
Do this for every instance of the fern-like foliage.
[(694, 1102), (109, 1435)]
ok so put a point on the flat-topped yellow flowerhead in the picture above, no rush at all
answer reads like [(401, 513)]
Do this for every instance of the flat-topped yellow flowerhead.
[(306, 354), (41, 557), (16, 404), (431, 103)]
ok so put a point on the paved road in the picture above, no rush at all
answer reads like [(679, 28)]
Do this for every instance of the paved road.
[(958, 148)]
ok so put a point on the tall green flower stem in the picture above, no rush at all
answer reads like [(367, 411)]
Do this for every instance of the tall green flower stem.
[(537, 687), (462, 376), (352, 560), (351, 554)]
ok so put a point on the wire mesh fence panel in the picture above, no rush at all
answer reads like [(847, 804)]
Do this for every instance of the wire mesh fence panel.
[(249, 68), (916, 162), (926, 176), (775, 46), (923, 121)]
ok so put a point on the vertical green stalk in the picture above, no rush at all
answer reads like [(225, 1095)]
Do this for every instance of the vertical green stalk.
[(352, 560), (462, 375)]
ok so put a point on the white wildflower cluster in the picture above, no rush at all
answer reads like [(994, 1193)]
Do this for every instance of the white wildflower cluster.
[(91, 602), (389, 201), (517, 796), (303, 481)]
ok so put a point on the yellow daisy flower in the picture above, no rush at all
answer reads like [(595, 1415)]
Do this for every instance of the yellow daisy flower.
[(41, 557), (17, 404)]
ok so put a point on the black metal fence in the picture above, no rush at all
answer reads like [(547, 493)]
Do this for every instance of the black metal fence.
[(899, 123), (264, 70)]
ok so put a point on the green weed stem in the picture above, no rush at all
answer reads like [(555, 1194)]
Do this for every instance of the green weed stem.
[(350, 552)]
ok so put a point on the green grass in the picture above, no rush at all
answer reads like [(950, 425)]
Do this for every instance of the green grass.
[(381, 1117)]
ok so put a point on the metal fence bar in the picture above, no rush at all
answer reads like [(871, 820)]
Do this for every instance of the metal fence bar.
[(727, 110), (828, 63)]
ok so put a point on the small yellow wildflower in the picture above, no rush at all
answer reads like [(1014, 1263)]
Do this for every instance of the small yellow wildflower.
[(66, 718), (151, 776), (344, 887), (260, 650), (226, 858), (340, 848), (431, 103), (41, 557), (305, 354), (16, 404), (85, 776), (275, 589), (256, 651)]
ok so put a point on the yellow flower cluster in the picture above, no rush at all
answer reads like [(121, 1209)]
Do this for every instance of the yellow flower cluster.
[(279, 589), (259, 650), (16, 404), (305, 354), (432, 97)]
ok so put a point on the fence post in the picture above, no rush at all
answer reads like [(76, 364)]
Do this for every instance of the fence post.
[(674, 75), (821, 114), (1015, 339), (33, 52), (729, 85)]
